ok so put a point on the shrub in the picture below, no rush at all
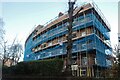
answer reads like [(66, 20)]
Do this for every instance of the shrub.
[(51, 67)]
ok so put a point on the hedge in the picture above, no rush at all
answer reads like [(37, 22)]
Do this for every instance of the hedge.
[(34, 77), (51, 67)]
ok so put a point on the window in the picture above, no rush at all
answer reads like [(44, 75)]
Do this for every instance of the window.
[(119, 39), (89, 41), (33, 38), (35, 58), (83, 72), (44, 45), (60, 40), (86, 19), (74, 35), (84, 61), (35, 32), (33, 49), (66, 24), (28, 55), (49, 53), (81, 20), (38, 56), (61, 43), (36, 49), (39, 48), (83, 33), (119, 51), (108, 62), (61, 51), (107, 52), (84, 46), (50, 44), (44, 35)]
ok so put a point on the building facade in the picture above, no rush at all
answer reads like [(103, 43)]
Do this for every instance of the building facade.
[(118, 42), (91, 49)]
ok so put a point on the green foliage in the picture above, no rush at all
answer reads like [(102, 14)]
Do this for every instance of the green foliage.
[(51, 67), (5, 69)]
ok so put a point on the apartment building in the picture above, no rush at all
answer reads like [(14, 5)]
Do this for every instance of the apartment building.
[(91, 51)]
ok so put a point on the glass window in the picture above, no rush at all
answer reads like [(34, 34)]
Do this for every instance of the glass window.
[(28, 55), (89, 41), (39, 48), (33, 49), (50, 44), (119, 51), (119, 38), (107, 51), (74, 35), (108, 62), (84, 46), (38, 56), (44, 45), (84, 60), (61, 51), (83, 33), (60, 40), (83, 72)]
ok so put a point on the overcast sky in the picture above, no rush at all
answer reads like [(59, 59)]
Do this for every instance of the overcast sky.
[(21, 17)]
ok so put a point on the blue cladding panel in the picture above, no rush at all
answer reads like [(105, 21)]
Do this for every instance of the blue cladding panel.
[(78, 45), (101, 59), (28, 49), (61, 30), (101, 28)]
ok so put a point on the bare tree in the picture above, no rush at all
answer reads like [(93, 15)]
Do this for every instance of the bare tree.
[(2, 32), (9, 52), (116, 52), (1, 27), (15, 52), (12, 52), (1, 44)]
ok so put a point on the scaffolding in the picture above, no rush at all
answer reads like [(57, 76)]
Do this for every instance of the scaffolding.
[(90, 32)]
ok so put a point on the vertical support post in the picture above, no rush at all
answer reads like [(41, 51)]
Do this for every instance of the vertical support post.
[(92, 70), (80, 64)]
